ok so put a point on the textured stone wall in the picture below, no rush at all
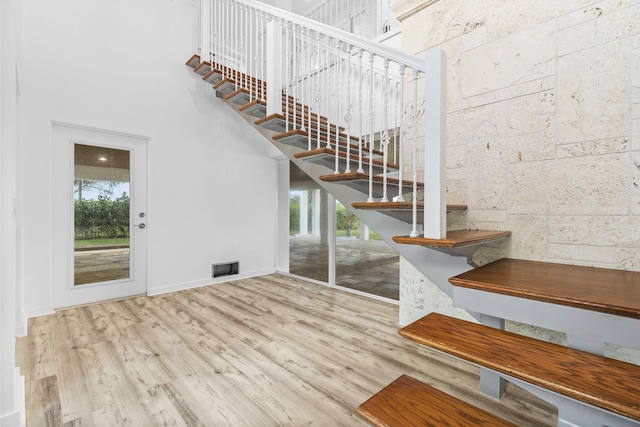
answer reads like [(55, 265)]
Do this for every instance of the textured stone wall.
[(543, 125)]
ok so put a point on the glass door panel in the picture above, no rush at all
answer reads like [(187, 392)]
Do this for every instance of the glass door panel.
[(308, 227), (364, 261), (101, 214)]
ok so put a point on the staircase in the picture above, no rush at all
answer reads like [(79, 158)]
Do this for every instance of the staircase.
[(375, 141)]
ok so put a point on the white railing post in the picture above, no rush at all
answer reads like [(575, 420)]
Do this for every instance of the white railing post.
[(274, 61), (435, 125)]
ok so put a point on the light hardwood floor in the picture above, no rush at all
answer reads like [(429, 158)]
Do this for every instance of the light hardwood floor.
[(269, 351)]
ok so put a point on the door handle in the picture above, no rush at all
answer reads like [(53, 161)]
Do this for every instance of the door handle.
[(141, 225)]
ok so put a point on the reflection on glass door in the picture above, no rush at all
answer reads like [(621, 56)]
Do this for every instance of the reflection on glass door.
[(364, 261), (101, 214), (308, 227)]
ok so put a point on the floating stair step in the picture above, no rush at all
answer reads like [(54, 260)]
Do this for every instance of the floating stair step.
[(299, 138), (401, 210), (213, 76), (193, 61), (224, 87), (255, 108), (203, 68), (409, 402), (326, 156), (605, 290), (278, 122), (598, 381), (455, 238), (241, 96), (360, 181)]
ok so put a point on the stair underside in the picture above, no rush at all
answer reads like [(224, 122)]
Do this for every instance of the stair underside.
[(409, 402), (609, 291), (326, 156), (360, 181), (401, 210), (455, 238), (278, 122), (596, 380)]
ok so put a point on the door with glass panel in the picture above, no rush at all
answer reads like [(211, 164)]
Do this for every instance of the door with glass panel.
[(105, 210)]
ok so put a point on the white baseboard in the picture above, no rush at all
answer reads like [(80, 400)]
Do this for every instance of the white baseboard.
[(16, 418), (21, 329), (38, 311), (206, 282)]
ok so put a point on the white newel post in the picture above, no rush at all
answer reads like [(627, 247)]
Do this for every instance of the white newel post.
[(435, 125), (274, 62)]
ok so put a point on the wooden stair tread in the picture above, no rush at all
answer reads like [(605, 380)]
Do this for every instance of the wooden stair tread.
[(596, 380), (282, 117), (203, 68), (455, 238), (252, 103), (242, 92), (379, 206), (193, 61), (353, 156), (609, 291), (357, 176), (409, 402)]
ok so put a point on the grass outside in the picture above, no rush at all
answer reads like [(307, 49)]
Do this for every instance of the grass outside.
[(102, 242), (356, 233)]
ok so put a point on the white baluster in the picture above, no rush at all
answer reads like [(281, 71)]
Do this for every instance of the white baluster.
[(308, 85), (318, 97), (384, 140), (361, 81), (327, 85), (337, 96), (348, 117), (414, 231), (294, 83), (400, 197), (371, 126), (286, 73)]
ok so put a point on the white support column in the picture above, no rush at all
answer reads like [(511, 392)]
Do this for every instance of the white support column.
[(435, 125), (274, 60), (304, 213), (315, 213), (364, 231)]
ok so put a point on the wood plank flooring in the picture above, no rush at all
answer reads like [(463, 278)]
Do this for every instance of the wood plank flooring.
[(269, 351)]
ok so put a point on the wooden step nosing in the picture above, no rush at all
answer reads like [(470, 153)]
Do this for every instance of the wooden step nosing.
[(614, 292), (595, 380), (407, 401)]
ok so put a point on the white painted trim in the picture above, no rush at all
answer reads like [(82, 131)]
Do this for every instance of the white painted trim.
[(206, 282), (39, 311), (17, 417)]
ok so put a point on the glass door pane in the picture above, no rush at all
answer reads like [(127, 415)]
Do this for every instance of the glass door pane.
[(364, 261), (101, 214), (308, 227)]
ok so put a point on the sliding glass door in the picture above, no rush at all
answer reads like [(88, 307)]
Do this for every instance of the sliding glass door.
[(329, 244)]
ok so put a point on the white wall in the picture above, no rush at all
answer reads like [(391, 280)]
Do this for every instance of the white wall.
[(11, 384), (119, 66)]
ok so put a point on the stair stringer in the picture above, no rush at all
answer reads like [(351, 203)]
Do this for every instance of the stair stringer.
[(435, 264)]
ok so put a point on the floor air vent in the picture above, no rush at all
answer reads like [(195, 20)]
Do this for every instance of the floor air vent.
[(226, 269)]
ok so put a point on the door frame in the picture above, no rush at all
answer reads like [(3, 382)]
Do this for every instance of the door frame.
[(63, 138)]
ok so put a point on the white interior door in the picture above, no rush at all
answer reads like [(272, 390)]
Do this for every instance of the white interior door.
[(99, 212)]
